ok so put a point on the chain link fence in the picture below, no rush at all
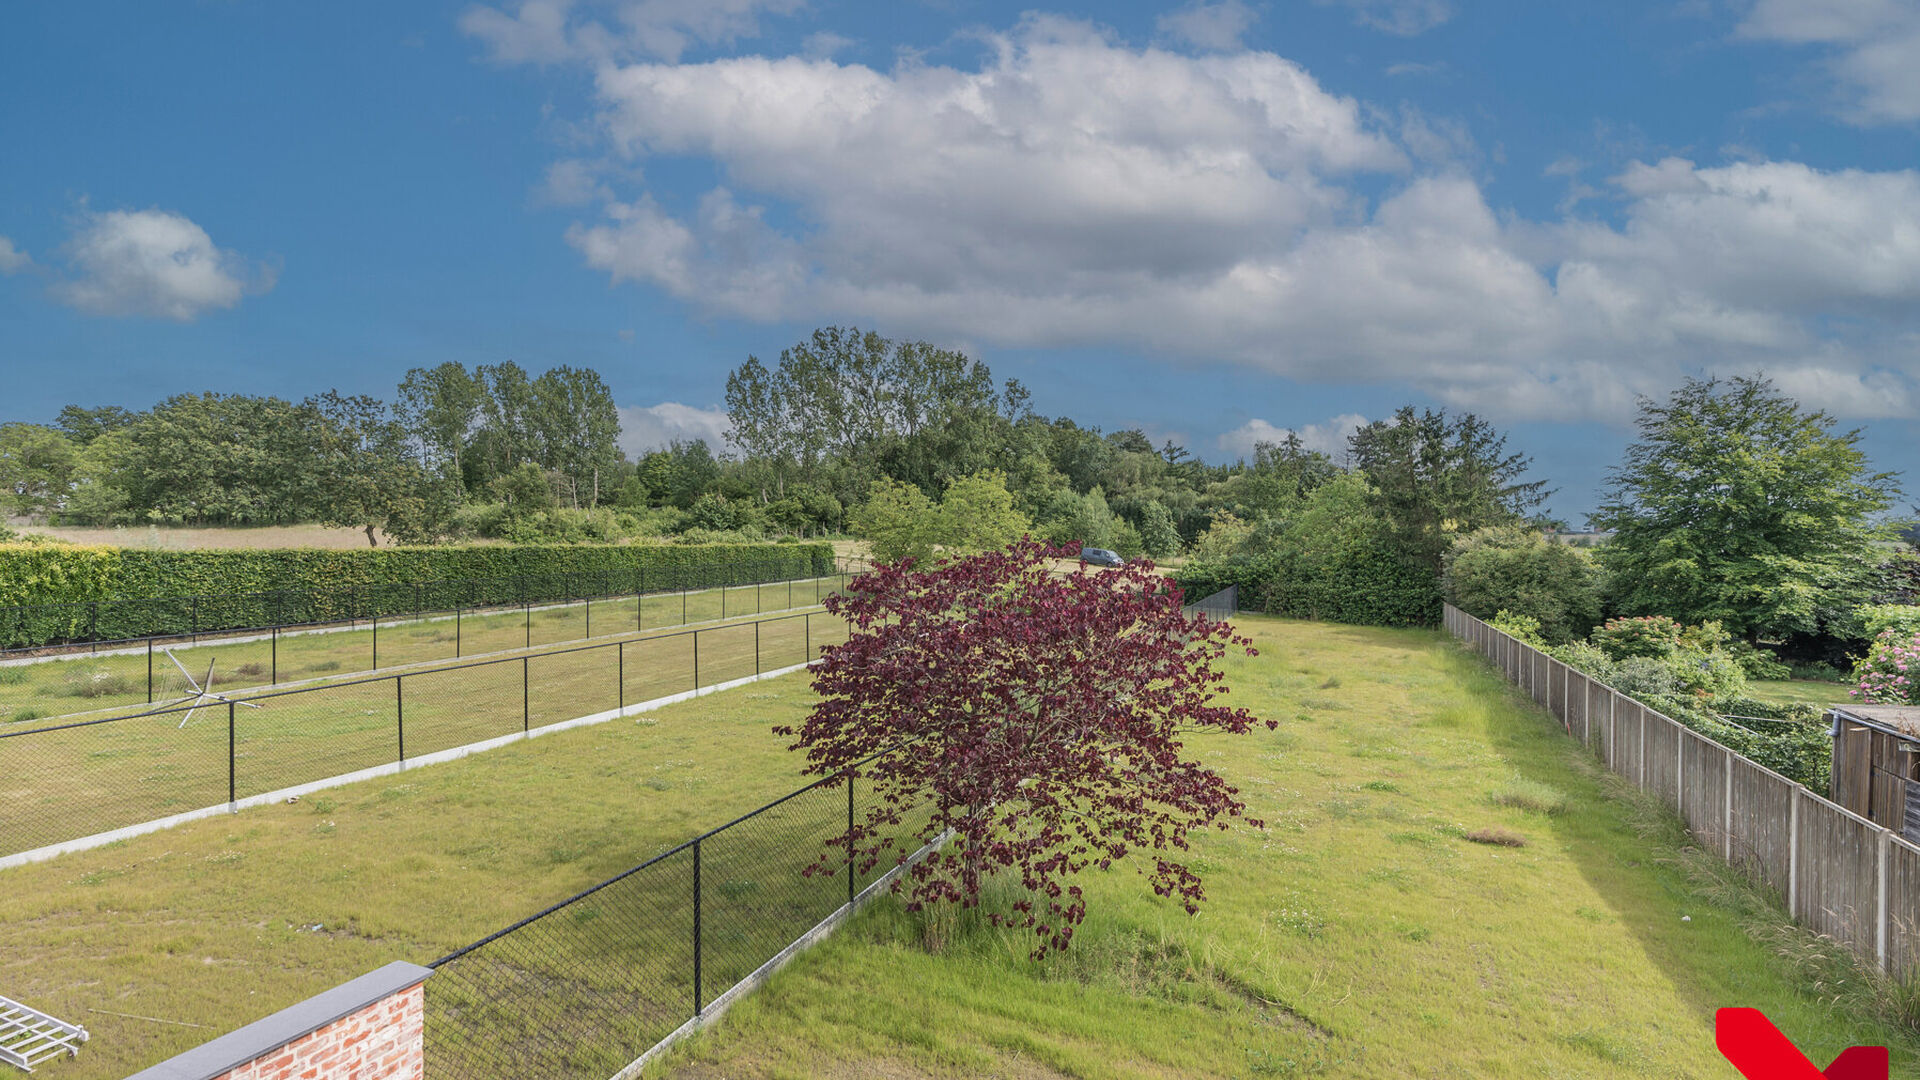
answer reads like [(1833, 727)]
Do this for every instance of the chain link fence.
[(36, 684), (586, 987), (64, 782)]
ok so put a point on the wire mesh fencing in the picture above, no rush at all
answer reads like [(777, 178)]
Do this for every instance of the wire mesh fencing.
[(587, 986), (124, 620), (63, 782), (37, 684)]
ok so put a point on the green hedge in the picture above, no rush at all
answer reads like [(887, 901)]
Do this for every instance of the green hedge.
[(1365, 586), (96, 593)]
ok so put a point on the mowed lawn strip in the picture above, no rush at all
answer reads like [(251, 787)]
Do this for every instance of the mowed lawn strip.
[(75, 686), (1360, 934), (221, 922), (61, 785)]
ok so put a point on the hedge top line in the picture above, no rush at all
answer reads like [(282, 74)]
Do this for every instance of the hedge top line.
[(104, 594)]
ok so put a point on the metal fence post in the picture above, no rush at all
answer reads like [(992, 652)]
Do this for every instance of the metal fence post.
[(376, 639), (456, 630), (697, 996), (526, 695), (756, 647), (621, 650), (149, 671), (528, 604), (400, 718), (850, 889), (231, 772), (589, 616), (808, 621)]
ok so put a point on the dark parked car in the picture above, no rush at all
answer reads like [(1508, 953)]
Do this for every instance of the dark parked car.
[(1100, 557)]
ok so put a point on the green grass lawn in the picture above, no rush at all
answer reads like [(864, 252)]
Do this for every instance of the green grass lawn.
[(1798, 691), (77, 685), (1360, 934), (218, 923), (61, 785)]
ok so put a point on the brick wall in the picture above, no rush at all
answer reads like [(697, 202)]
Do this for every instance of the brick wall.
[(380, 1042)]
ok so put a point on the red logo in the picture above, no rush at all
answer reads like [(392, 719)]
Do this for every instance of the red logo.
[(1760, 1052)]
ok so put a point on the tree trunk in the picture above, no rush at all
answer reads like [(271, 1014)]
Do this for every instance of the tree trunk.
[(371, 542)]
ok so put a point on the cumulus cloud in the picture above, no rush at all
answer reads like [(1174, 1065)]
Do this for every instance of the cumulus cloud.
[(1219, 24), (654, 427), (153, 263), (1330, 438), (12, 258), (554, 31), (1402, 17), (1073, 190), (1868, 50)]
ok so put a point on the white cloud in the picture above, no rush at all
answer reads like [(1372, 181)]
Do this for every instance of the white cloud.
[(1403, 17), (1329, 438), (1208, 24), (1075, 191), (153, 263), (555, 31), (1869, 49), (12, 258), (823, 44), (655, 426)]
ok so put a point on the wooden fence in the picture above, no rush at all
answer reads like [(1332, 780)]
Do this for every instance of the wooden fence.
[(1839, 873)]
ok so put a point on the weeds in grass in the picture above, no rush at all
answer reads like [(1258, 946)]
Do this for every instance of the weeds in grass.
[(1499, 837), (1381, 785), (98, 683), (1301, 921), (25, 713), (12, 676), (1523, 794), (251, 670)]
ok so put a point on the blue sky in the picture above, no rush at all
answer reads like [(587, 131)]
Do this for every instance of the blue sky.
[(1210, 220)]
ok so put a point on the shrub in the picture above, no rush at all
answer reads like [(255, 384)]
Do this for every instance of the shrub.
[(1758, 663), (1158, 534), (1645, 635), (1524, 628), (1890, 672), (1517, 569)]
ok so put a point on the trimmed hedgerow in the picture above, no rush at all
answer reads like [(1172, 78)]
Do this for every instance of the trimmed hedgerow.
[(74, 592)]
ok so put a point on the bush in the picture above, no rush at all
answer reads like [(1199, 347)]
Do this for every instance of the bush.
[(1645, 635), (1758, 663), (245, 588), (1158, 534), (1890, 672), (1516, 569)]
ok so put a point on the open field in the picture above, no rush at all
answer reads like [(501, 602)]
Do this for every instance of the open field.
[(1808, 691), (1360, 935), (80, 682), (62, 784), (183, 537)]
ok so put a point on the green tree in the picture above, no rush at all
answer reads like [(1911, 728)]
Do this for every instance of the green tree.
[(85, 425), (1516, 569), (577, 428), (1433, 478), (37, 465), (440, 407), (1738, 506), (898, 522), (1158, 535), (977, 514), (366, 479)]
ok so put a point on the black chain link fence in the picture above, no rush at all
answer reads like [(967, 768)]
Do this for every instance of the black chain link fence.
[(128, 622), (63, 782), (38, 684), (583, 988)]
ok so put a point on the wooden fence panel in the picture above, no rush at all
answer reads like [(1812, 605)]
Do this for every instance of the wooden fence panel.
[(1663, 740), (1837, 892), (1629, 719), (1903, 909), (1703, 790), (1762, 813), (1557, 689)]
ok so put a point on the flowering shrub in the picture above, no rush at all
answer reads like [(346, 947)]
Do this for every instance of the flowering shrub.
[(1890, 674)]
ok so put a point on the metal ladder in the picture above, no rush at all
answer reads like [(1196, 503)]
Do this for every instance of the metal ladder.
[(29, 1036)]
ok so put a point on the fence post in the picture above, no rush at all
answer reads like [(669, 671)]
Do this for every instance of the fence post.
[(697, 996), (808, 620), (1642, 782), (1726, 814), (1793, 852), (683, 605), (723, 601), (456, 629), (850, 888), (589, 602), (149, 671), (526, 708), (231, 785), (400, 718), (696, 659), (376, 639), (1880, 926), (528, 605), (621, 651), (756, 646)]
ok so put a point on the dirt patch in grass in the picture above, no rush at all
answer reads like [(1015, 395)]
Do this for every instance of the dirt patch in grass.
[(1498, 837)]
